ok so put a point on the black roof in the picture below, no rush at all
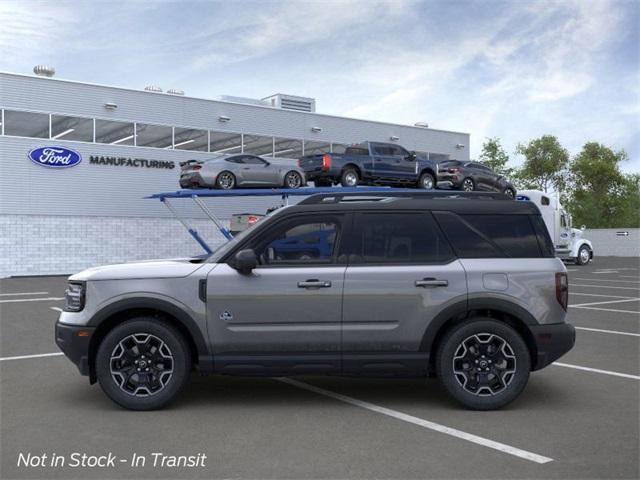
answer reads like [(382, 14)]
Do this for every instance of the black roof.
[(457, 202)]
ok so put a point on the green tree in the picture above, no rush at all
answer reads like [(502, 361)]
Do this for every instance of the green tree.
[(545, 164), (601, 196), (494, 156)]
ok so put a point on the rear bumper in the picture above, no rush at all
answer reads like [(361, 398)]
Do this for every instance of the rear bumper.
[(449, 180), (191, 180), (74, 340), (552, 342)]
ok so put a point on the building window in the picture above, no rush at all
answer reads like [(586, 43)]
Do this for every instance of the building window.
[(225, 142), (314, 148), (190, 139), (114, 133), (258, 145), (71, 128), (26, 124), (157, 136), (287, 148)]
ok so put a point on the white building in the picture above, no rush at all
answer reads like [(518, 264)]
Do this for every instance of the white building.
[(60, 220)]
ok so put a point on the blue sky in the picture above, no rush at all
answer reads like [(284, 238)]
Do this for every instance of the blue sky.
[(515, 69)]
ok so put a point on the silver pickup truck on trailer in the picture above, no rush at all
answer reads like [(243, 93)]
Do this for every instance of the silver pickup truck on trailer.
[(465, 287)]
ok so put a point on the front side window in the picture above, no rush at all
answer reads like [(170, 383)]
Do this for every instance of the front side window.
[(303, 241), (397, 238)]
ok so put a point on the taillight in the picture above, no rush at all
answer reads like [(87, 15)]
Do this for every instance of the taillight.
[(299, 163), (252, 219), (562, 289), (196, 167), (326, 161)]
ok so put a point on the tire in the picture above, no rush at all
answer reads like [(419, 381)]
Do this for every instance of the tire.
[(509, 192), (349, 178), (468, 185), (500, 386), (584, 255), (293, 180), (225, 180), (121, 370), (426, 181)]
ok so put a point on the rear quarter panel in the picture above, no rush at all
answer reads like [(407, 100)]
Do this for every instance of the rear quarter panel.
[(526, 282)]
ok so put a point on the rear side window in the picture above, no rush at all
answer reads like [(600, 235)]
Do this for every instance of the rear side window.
[(397, 238), (356, 151), (544, 240), (485, 236), (514, 234), (467, 241)]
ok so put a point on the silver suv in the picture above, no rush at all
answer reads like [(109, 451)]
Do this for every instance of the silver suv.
[(463, 287)]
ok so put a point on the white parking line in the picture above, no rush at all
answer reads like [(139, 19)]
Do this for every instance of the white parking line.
[(596, 295), (15, 300), (605, 280), (22, 293), (604, 272), (610, 310), (485, 442), (628, 276), (605, 302), (616, 332), (24, 357), (605, 286), (597, 370)]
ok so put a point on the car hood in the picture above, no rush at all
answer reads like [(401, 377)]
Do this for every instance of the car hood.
[(171, 268)]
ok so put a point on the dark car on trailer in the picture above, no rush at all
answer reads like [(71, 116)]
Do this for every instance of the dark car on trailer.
[(469, 176)]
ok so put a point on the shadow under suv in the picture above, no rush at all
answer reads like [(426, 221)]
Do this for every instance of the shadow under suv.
[(463, 287)]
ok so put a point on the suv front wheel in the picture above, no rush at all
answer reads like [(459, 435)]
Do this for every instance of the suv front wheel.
[(483, 363), (143, 363)]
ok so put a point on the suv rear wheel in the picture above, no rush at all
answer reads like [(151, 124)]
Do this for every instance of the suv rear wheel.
[(468, 185), (484, 364), (143, 363)]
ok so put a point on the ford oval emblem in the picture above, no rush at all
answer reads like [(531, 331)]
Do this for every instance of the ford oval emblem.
[(55, 157)]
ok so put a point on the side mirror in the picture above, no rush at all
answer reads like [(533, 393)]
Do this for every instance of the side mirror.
[(412, 156), (583, 228), (245, 260)]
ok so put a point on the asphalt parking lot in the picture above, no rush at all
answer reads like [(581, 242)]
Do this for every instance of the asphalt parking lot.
[(578, 418)]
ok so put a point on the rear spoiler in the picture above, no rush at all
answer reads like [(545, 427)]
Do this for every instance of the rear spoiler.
[(188, 162)]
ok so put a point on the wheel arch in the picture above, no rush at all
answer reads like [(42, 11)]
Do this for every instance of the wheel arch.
[(511, 314), (119, 312), (353, 166)]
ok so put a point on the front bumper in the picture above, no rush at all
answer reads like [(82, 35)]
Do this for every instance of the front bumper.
[(74, 340), (552, 342)]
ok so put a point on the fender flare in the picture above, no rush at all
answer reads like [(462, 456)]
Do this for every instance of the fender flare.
[(164, 306), (576, 247), (462, 308)]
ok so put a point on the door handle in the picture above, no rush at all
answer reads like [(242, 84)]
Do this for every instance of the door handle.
[(431, 282), (313, 283)]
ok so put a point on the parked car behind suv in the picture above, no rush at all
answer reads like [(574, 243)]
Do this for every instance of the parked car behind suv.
[(464, 287), (371, 163), (470, 176), (241, 170)]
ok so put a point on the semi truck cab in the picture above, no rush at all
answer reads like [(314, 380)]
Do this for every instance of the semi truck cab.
[(568, 241)]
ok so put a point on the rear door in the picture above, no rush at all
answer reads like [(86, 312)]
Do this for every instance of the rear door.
[(384, 160), (401, 274)]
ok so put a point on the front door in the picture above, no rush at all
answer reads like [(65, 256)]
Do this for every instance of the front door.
[(257, 171), (285, 316), (401, 274)]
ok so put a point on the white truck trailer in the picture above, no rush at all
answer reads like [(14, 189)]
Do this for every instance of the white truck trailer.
[(567, 241)]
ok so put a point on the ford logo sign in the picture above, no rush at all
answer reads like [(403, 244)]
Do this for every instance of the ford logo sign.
[(55, 157)]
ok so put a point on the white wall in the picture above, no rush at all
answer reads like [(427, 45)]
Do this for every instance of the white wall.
[(606, 242)]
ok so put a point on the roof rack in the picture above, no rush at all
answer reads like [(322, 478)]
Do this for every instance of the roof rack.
[(377, 196)]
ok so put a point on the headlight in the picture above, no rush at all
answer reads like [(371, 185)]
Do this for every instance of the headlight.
[(74, 297)]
